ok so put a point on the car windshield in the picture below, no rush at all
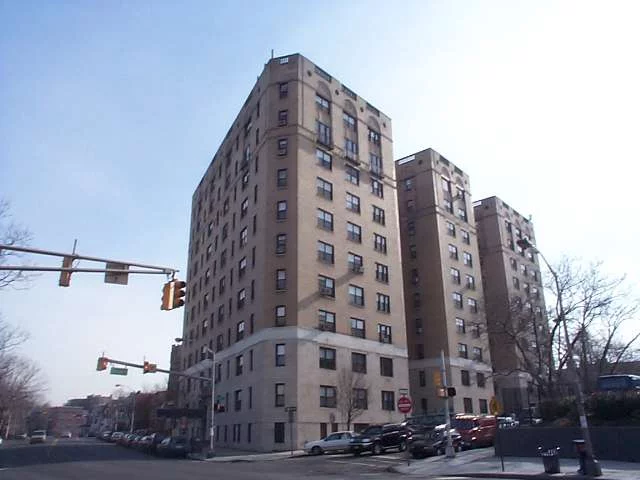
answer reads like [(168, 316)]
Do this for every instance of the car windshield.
[(461, 424), (371, 431)]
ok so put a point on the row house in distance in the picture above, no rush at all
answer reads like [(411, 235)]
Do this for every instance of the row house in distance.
[(294, 267)]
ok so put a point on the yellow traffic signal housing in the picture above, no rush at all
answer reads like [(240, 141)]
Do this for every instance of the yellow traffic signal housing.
[(172, 295), (65, 277), (149, 367), (178, 293), (103, 362)]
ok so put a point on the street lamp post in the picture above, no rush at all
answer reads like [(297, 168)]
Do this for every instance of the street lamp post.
[(591, 466), (133, 409), (213, 399)]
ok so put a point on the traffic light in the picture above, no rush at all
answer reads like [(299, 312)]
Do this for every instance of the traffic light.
[(102, 363), (172, 295), (65, 277), (451, 391), (178, 292), (149, 367)]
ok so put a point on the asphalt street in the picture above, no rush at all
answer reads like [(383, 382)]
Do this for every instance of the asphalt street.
[(91, 459)]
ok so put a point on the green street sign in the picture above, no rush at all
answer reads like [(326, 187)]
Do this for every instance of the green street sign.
[(118, 371)]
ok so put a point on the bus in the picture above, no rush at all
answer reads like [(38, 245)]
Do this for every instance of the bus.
[(619, 383)]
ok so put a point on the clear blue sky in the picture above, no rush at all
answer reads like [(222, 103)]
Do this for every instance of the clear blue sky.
[(111, 111)]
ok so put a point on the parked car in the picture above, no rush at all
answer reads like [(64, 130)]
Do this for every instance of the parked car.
[(335, 442), (38, 436), (476, 430), (66, 435), (156, 439), (424, 440), (174, 447), (116, 437), (106, 436), (508, 422), (379, 438)]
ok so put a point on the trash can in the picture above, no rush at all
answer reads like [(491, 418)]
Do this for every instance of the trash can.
[(550, 459)]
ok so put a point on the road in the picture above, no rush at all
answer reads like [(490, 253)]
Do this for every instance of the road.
[(91, 459)]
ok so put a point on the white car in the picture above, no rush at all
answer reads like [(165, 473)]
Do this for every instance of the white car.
[(334, 442), (38, 436)]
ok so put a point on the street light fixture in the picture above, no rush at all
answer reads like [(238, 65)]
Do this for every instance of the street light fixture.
[(133, 410), (591, 466)]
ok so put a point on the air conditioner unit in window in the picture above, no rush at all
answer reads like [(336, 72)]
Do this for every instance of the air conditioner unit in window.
[(282, 151), (327, 291), (357, 268)]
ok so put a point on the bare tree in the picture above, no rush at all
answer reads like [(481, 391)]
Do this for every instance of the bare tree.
[(350, 404), (12, 234)]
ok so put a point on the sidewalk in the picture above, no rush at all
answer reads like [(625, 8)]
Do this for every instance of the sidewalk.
[(484, 463), (232, 455)]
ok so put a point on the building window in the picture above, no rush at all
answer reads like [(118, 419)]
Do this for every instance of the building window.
[(350, 149), (413, 251), (327, 396), (326, 321), (468, 260), (322, 103), (484, 406), (457, 299), (465, 237), (448, 205), (477, 354), (356, 295), (358, 362), (471, 282), (462, 213), (283, 88), (353, 203), (455, 275), (244, 237), (244, 207), (324, 189), (349, 121), (327, 358), (281, 315), (326, 286), (357, 327), (355, 263), (453, 252), (473, 305), (388, 400), (281, 279), (283, 177), (283, 117), (242, 267), (382, 273), (460, 325), (378, 215), (245, 180), (374, 137), (377, 188), (408, 183), (451, 229), (239, 365), (354, 232), (383, 303), (242, 298), (282, 210), (481, 380), (279, 396), (283, 146), (352, 175), (468, 405), (418, 326), (325, 252), (386, 367), (464, 377), (411, 227), (384, 333), (324, 134), (417, 302), (411, 205), (324, 159), (379, 243), (422, 378), (462, 350), (280, 355), (360, 398), (325, 220), (281, 243)]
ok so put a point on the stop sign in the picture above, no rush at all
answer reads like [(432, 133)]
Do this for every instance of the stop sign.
[(405, 404)]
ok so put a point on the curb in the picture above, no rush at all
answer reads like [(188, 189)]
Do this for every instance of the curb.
[(528, 476)]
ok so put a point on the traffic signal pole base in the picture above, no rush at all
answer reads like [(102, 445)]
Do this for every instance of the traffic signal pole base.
[(590, 467), (449, 451)]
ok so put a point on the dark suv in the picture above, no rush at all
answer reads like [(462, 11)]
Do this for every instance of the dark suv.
[(426, 440), (379, 438)]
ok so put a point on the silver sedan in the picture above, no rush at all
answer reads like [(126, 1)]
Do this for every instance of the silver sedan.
[(334, 442)]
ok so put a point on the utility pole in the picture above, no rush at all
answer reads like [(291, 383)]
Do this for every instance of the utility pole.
[(449, 451)]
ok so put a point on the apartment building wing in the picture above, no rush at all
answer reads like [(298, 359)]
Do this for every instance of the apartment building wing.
[(294, 267), (514, 300), (444, 306)]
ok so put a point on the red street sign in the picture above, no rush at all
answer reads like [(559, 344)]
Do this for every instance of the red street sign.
[(405, 404)]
